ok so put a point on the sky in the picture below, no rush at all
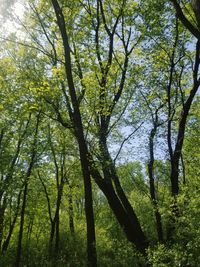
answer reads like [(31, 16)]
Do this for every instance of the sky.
[(10, 11)]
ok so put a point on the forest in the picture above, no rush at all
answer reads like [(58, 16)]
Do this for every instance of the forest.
[(99, 133)]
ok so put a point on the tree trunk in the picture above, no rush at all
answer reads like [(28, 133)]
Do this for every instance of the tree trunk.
[(159, 227), (128, 222), (79, 133), (51, 237), (55, 223), (71, 211), (7, 241), (91, 238), (2, 213), (182, 126), (26, 180), (57, 241), (19, 246)]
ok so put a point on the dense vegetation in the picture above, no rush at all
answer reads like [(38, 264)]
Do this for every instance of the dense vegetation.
[(99, 133)]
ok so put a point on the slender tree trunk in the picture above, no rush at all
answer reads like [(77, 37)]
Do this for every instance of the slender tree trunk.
[(55, 223), (52, 232), (182, 126), (57, 240), (91, 238), (29, 231), (54, 220), (159, 227), (19, 246), (2, 213), (7, 241), (57, 216), (183, 169), (9, 176), (71, 211), (25, 192)]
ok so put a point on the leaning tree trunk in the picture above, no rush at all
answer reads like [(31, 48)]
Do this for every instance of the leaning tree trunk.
[(121, 209)]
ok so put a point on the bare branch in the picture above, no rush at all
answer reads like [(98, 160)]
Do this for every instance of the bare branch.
[(125, 140), (193, 30)]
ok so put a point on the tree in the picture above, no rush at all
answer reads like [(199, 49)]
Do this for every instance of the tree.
[(94, 70), (25, 190)]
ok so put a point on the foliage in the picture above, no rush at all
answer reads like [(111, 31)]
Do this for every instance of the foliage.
[(115, 96)]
